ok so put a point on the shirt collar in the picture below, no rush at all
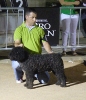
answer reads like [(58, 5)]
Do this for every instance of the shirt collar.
[(30, 28)]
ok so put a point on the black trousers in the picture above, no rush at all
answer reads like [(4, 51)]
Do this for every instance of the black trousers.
[(84, 25)]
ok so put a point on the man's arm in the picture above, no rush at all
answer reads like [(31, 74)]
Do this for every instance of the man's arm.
[(62, 2), (47, 47), (18, 43)]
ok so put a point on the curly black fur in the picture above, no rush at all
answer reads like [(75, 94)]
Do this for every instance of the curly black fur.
[(32, 63)]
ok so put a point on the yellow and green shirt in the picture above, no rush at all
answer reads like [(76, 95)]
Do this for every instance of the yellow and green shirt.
[(31, 39)]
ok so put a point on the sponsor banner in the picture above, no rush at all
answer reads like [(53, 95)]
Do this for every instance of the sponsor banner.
[(48, 18)]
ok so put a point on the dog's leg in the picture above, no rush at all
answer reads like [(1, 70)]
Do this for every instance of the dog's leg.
[(29, 79), (61, 80), (58, 82), (57, 76)]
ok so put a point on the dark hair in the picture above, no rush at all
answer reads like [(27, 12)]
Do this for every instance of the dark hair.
[(28, 10)]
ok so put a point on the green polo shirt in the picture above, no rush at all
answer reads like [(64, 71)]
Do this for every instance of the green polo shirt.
[(31, 39), (65, 8)]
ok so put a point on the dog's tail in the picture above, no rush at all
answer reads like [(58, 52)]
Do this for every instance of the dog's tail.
[(84, 62)]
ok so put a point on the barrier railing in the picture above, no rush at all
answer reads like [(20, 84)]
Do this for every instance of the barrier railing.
[(58, 46), (7, 15)]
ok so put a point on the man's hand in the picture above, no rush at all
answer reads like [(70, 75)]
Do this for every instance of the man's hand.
[(47, 47), (21, 45), (76, 2), (50, 52)]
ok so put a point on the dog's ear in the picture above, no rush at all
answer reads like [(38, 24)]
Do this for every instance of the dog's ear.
[(18, 54), (10, 56)]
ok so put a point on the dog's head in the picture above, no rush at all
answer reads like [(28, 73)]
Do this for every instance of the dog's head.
[(18, 54)]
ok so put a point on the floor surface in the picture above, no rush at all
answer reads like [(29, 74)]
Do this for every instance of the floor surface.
[(75, 90)]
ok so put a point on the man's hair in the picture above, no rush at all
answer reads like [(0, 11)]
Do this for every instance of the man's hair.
[(28, 10)]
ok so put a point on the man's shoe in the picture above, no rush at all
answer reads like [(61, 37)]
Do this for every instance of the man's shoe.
[(19, 81)]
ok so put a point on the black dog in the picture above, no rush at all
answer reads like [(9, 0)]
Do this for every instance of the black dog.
[(32, 63)]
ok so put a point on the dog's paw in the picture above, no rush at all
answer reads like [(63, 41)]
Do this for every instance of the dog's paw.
[(25, 85), (29, 87), (58, 83), (63, 85)]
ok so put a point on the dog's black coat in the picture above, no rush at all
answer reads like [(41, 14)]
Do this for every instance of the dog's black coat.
[(32, 63)]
